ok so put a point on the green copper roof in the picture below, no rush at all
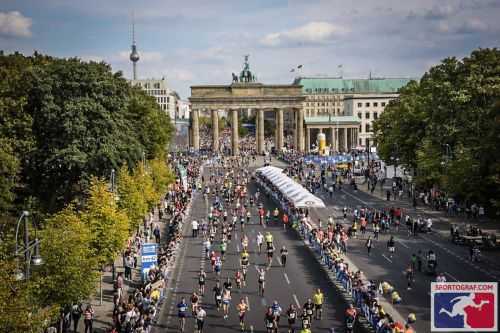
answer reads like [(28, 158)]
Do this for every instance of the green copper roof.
[(313, 85), (326, 120)]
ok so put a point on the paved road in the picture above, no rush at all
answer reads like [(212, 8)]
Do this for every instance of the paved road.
[(452, 259), (290, 285)]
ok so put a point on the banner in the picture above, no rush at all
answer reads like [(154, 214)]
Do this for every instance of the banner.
[(149, 258)]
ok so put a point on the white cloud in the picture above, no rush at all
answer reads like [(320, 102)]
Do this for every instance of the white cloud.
[(311, 33), (467, 26), (14, 24)]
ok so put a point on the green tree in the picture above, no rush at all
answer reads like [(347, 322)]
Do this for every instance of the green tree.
[(446, 127), (108, 225), (131, 197), (69, 270), (161, 174)]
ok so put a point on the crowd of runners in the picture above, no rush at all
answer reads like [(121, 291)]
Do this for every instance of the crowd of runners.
[(230, 208)]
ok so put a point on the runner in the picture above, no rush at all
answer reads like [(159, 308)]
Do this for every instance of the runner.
[(182, 312), (260, 239), (276, 312), (218, 266), (226, 300), (200, 319), (242, 309), (270, 252), (244, 265), (292, 317), (318, 303), (391, 246), (244, 242), (201, 281), (223, 247), (270, 320), (262, 280), (308, 309), (284, 254), (217, 295), (194, 303), (369, 244), (237, 279)]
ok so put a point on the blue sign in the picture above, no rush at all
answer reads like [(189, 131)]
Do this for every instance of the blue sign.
[(149, 258), (316, 159)]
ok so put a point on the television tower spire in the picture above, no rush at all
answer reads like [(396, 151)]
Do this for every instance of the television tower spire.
[(134, 55)]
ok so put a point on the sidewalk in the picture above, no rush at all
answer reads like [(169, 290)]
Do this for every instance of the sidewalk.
[(103, 313)]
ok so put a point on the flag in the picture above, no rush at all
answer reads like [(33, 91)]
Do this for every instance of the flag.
[(299, 66), (292, 70)]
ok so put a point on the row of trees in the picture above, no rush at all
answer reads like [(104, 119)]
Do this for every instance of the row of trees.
[(446, 128), (64, 125)]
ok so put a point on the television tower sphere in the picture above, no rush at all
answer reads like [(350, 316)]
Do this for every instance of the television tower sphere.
[(134, 55)]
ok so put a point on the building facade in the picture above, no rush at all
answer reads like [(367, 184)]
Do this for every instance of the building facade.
[(367, 107), (339, 97), (183, 109), (165, 97)]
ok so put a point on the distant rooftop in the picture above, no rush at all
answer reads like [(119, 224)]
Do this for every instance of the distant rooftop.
[(324, 85)]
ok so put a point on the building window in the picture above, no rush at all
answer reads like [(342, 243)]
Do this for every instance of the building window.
[(168, 99), (360, 105), (367, 104), (359, 115), (383, 103), (375, 104), (367, 115), (367, 128), (157, 85), (360, 129), (375, 115)]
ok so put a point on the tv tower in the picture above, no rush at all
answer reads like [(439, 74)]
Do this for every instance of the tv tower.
[(134, 55)]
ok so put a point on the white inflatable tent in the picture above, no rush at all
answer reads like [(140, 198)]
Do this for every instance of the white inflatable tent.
[(293, 191)]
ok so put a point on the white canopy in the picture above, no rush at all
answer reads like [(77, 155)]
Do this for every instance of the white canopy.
[(293, 191)]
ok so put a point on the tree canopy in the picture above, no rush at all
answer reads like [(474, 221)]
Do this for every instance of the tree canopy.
[(66, 121), (447, 127)]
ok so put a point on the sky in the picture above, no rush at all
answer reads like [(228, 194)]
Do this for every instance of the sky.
[(192, 42)]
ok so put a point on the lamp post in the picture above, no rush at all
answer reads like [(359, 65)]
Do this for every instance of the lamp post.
[(29, 249), (113, 190)]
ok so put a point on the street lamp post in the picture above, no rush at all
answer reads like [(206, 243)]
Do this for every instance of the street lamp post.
[(30, 249), (113, 190)]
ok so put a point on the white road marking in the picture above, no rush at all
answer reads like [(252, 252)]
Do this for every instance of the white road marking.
[(296, 300), (263, 301), (237, 248), (251, 328), (454, 278), (355, 197), (403, 244), (248, 302), (389, 260), (286, 278)]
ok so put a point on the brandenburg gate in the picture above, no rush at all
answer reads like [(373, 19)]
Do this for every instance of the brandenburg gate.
[(245, 93)]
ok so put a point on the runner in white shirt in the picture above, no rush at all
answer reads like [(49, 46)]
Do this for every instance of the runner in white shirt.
[(260, 239), (200, 319), (194, 226)]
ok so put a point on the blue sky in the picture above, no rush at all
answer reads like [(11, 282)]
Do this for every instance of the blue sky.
[(203, 41)]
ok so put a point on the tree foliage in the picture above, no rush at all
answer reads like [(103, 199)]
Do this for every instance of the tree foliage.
[(64, 125), (107, 223), (447, 127), (70, 120), (69, 270)]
